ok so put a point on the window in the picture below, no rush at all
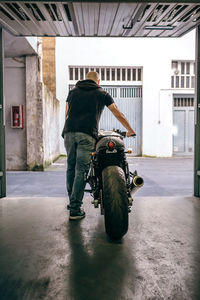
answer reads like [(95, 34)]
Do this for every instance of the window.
[(76, 73), (177, 81), (118, 74), (172, 81), (182, 81), (107, 74), (71, 73), (102, 74), (113, 74), (184, 76), (134, 74), (129, 74), (139, 75), (187, 68), (182, 68), (174, 65), (81, 74), (192, 82), (187, 81), (123, 74), (86, 71)]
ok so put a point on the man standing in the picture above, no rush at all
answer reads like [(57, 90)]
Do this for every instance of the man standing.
[(84, 106)]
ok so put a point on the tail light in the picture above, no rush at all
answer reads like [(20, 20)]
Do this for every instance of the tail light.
[(111, 145)]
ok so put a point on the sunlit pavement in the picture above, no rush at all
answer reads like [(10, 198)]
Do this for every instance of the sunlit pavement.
[(43, 255), (162, 177)]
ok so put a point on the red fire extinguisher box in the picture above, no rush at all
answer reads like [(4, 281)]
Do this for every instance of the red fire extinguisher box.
[(17, 116)]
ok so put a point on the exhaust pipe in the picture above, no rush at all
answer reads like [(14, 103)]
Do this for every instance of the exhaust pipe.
[(137, 182)]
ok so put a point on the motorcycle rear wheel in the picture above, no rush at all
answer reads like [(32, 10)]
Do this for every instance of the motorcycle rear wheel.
[(115, 202)]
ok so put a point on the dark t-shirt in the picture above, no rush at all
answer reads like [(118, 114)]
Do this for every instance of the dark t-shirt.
[(85, 106)]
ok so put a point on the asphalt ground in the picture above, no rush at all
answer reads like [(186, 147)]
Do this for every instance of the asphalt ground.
[(162, 177)]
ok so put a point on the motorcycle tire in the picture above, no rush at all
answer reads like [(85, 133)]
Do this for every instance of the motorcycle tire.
[(115, 201)]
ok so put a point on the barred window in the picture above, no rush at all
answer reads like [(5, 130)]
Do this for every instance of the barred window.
[(107, 73), (192, 82), (81, 74), (76, 73), (71, 73), (129, 74), (118, 74), (102, 74), (172, 81), (123, 74), (187, 81), (182, 81), (183, 74), (86, 71), (182, 68), (113, 74), (134, 74), (187, 68), (177, 81), (139, 75)]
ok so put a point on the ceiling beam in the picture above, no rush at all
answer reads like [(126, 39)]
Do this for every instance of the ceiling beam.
[(107, 1)]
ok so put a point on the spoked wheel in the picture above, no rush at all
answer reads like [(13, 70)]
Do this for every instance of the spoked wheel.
[(115, 201)]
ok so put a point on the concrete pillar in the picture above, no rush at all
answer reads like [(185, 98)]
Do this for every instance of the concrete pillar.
[(34, 115), (197, 119), (49, 63), (2, 121)]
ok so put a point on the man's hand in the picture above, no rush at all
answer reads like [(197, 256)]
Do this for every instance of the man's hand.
[(130, 133), (119, 115)]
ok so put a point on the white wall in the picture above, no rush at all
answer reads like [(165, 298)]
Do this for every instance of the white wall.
[(153, 54), (50, 125), (15, 95)]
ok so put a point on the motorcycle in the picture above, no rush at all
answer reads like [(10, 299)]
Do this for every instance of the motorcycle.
[(112, 184)]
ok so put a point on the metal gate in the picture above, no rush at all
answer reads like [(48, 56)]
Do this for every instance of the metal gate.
[(183, 122), (129, 102)]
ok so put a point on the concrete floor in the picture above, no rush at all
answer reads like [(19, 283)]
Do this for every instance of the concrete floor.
[(44, 256)]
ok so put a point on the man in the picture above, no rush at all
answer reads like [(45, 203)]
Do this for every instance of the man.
[(84, 107)]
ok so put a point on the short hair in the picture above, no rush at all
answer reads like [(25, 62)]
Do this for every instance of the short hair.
[(93, 76)]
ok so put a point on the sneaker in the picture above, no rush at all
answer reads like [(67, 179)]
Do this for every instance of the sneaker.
[(80, 214)]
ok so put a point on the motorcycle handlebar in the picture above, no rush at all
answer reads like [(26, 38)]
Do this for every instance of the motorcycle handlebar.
[(123, 133)]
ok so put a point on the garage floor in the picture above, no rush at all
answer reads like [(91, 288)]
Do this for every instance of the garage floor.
[(43, 255)]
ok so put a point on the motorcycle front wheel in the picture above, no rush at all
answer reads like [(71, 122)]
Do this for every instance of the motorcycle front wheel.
[(115, 201)]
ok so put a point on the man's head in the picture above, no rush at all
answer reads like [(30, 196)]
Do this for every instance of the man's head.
[(92, 75)]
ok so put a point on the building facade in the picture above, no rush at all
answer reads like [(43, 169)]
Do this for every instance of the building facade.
[(31, 107), (141, 75)]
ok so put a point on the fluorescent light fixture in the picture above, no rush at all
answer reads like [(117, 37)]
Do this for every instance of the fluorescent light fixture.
[(154, 27)]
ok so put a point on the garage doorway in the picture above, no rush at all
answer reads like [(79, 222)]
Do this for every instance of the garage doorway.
[(129, 101), (183, 123)]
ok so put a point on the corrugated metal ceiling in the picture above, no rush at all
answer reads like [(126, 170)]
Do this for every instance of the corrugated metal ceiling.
[(111, 19)]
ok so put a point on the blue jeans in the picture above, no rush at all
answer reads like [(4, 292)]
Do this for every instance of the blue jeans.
[(79, 147)]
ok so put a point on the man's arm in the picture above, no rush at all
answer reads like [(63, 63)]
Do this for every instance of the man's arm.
[(66, 110), (119, 115)]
